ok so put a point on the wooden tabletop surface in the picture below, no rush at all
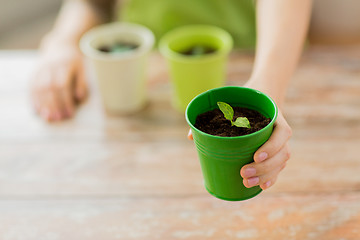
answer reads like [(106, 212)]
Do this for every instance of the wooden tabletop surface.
[(103, 177)]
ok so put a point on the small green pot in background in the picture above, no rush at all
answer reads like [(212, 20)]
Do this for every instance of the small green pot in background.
[(221, 158), (192, 75)]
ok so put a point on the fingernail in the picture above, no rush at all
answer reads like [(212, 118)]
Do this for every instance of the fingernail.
[(267, 184), (253, 181), (249, 172), (190, 137), (262, 156)]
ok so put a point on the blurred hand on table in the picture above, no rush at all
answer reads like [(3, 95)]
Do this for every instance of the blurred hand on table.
[(58, 83)]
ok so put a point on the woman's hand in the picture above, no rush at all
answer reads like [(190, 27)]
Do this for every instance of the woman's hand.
[(270, 158), (58, 83)]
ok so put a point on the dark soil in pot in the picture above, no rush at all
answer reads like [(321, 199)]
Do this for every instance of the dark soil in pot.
[(213, 122), (118, 47), (198, 50)]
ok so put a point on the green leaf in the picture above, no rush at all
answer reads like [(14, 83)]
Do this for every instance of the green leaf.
[(227, 110), (242, 122)]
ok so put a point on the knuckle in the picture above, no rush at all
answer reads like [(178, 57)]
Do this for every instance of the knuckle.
[(267, 182), (270, 147), (264, 167)]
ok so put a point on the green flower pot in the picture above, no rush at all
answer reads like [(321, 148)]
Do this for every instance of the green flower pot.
[(192, 75), (221, 158)]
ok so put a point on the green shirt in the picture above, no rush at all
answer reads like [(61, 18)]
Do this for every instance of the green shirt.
[(235, 16)]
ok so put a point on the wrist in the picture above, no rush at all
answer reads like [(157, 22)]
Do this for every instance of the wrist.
[(273, 87), (53, 41)]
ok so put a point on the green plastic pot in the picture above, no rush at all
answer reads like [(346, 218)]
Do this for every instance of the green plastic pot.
[(192, 75), (221, 158)]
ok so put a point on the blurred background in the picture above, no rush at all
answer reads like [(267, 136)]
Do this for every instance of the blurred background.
[(24, 22)]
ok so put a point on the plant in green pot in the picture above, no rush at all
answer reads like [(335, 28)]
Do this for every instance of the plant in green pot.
[(229, 124)]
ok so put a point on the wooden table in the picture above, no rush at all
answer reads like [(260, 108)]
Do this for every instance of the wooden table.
[(101, 177)]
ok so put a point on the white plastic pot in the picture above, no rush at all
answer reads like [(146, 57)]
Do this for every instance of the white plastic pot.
[(120, 77)]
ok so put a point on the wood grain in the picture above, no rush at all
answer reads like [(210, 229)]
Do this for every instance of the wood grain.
[(138, 177)]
